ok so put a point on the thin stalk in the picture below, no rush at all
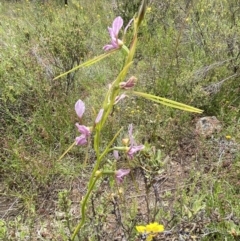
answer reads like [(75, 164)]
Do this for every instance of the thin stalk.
[(83, 208), (69, 148)]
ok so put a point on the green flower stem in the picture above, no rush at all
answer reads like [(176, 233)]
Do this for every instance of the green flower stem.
[(83, 208), (114, 91), (119, 148), (108, 149), (100, 157), (87, 154), (132, 50), (93, 179), (108, 172)]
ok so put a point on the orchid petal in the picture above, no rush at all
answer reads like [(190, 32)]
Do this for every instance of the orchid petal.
[(119, 97), (129, 84), (130, 129), (116, 155), (133, 150), (117, 25), (113, 32), (133, 146), (119, 174), (83, 129), (108, 47), (99, 116), (80, 108), (81, 140)]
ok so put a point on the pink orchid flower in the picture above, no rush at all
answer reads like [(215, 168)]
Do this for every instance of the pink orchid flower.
[(80, 108), (120, 174), (114, 31), (85, 133), (133, 146), (129, 84)]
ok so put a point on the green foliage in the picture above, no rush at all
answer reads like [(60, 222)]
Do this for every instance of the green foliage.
[(126, 9), (3, 229), (195, 52), (63, 42)]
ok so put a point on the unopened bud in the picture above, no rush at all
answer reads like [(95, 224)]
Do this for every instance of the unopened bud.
[(98, 173), (120, 43), (129, 84), (125, 141), (120, 191)]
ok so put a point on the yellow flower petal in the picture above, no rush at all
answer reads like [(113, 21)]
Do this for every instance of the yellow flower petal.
[(141, 229), (154, 228)]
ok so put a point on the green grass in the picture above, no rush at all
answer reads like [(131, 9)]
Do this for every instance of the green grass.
[(188, 183)]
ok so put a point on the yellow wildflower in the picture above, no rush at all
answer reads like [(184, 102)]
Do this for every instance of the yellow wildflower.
[(151, 230), (154, 228), (228, 137)]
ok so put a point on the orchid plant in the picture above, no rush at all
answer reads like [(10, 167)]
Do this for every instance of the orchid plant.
[(118, 89)]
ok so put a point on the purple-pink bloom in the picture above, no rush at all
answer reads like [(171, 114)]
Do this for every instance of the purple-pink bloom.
[(81, 140), (130, 134), (80, 108), (129, 84), (83, 129), (114, 31), (119, 97), (132, 150), (119, 174), (85, 133), (133, 146), (99, 116)]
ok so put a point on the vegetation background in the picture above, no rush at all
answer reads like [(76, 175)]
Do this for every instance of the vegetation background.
[(188, 51)]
